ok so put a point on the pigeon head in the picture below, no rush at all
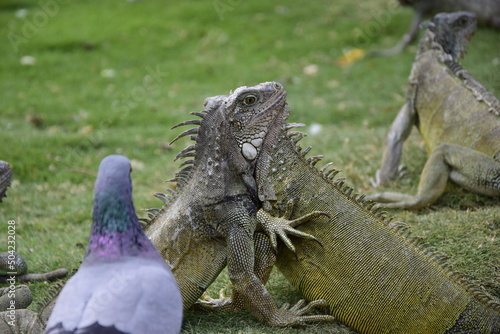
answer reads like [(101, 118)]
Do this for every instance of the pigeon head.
[(115, 228)]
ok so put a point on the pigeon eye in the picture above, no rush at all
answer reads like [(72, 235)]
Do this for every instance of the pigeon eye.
[(250, 99)]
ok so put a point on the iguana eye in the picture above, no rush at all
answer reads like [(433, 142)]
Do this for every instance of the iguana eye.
[(462, 21), (250, 99), (235, 125)]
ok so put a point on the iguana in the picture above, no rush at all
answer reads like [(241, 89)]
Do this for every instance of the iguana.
[(5, 175), (487, 12), (458, 118), (210, 221), (375, 277)]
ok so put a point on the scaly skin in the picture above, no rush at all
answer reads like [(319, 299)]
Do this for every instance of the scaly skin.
[(375, 277), (457, 117), (5, 175), (210, 221), (21, 320), (486, 11)]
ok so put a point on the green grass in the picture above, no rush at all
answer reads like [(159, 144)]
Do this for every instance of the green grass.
[(115, 76)]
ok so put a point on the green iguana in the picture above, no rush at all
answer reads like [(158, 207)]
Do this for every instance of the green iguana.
[(5, 175), (457, 117), (487, 12), (375, 276), (210, 222)]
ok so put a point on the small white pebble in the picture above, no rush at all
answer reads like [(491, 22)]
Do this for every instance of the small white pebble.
[(108, 73), (314, 129), (28, 60), (311, 70), (21, 13)]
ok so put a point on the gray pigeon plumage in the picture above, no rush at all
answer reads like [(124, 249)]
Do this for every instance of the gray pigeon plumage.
[(123, 284)]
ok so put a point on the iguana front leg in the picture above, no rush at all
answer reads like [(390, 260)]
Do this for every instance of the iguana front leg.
[(252, 291), (468, 168), (399, 132), (263, 307), (265, 258)]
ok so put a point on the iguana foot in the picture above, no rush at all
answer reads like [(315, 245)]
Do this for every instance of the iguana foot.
[(285, 316), (294, 316), (283, 226), (223, 303), (383, 179), (393, 200)]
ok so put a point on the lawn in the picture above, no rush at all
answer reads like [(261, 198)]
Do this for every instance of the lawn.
[(84, 79)]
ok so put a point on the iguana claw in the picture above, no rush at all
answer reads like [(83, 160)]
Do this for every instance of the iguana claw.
[(295, 315), (283, 226), (223, 303)]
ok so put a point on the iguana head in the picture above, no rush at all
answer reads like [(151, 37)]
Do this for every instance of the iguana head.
[(256, 116), (252, 113), (453, 31)]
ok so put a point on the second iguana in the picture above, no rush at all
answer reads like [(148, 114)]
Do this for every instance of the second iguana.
[(458, 118), (487, 12)]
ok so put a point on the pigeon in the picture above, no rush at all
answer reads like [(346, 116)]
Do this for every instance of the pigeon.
[(123, 284)]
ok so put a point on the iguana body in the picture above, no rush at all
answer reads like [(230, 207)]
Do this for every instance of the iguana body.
[(486, 11), (211, 220), (5, 175), (457, 117), (375, 277)]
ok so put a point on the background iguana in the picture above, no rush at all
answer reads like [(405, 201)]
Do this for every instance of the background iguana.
[(5, 175), (457, 117), (487, 13), (211, 220)]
